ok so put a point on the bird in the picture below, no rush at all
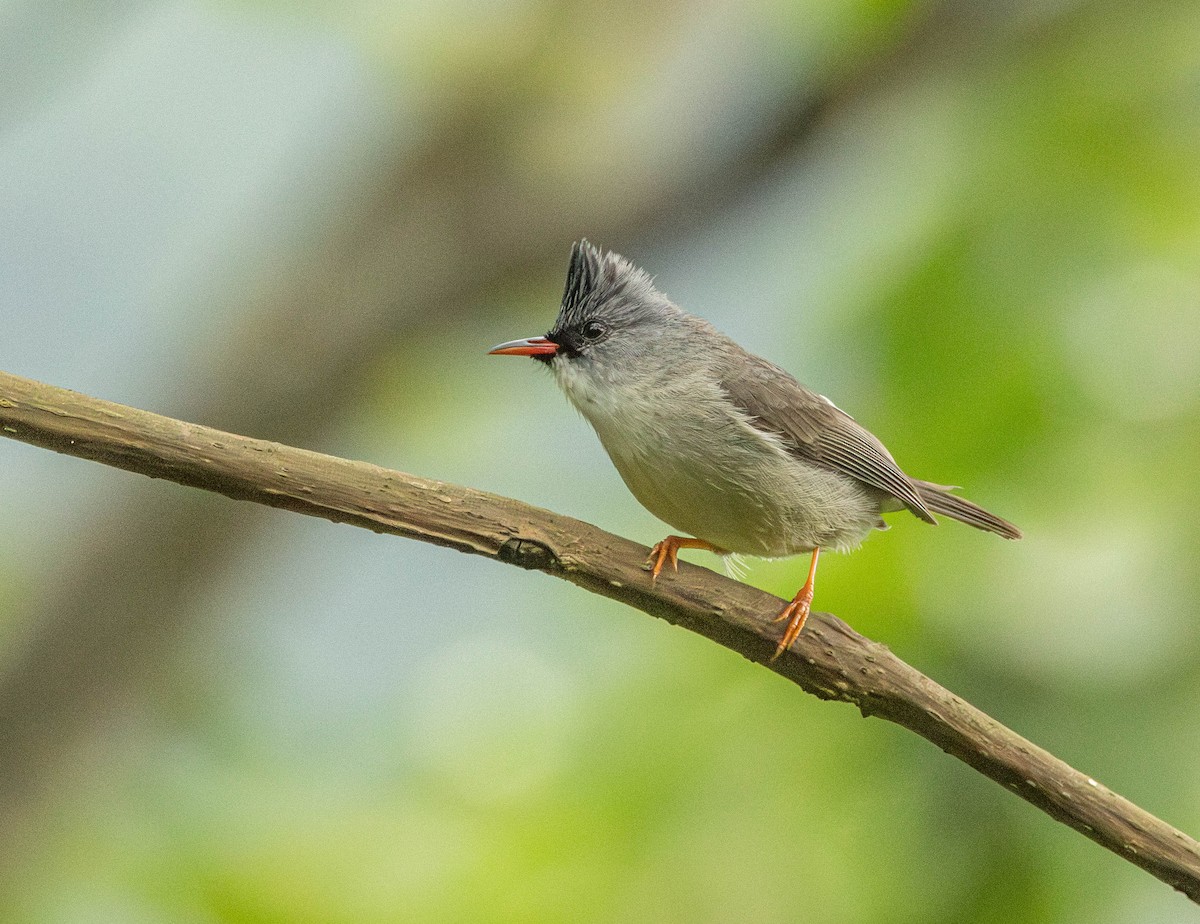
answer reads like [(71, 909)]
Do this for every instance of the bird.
[(722, 445)]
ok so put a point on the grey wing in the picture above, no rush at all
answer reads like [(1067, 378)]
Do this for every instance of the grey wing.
[(814, 429)]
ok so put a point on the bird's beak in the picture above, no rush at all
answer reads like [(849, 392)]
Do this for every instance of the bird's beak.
[(534, 346)]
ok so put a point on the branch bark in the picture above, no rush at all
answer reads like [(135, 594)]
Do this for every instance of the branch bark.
[(829, 660)]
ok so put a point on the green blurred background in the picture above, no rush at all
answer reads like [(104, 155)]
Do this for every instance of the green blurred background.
[(975, 226)]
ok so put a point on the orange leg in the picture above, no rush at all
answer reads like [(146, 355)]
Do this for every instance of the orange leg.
[(797, 611), (668, 551)]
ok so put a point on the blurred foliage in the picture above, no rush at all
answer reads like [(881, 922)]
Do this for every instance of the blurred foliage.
[(985, 248)]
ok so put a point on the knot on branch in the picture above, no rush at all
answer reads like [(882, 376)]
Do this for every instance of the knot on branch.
[(526, 553)]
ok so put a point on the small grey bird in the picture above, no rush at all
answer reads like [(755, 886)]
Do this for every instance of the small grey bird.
[(716, 442)]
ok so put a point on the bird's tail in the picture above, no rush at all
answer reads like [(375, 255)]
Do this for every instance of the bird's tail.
[(937, 497)]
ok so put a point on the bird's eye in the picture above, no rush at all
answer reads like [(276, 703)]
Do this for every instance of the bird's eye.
[(593, 330)]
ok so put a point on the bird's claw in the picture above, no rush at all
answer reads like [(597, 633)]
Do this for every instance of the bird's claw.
[(663, 552), (668, 551), (796, 614)]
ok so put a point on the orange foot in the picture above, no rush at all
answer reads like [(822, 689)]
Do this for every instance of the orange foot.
[(668, 551), (796, 612)]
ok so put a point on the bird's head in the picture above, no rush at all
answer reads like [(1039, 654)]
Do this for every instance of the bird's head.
[(611, 326)]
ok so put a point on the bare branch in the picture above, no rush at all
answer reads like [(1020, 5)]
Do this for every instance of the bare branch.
[(829, 660)]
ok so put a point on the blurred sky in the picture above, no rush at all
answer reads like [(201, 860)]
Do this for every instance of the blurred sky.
[(975, 227)]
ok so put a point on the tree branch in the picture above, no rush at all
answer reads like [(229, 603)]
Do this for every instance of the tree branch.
[(829, 659)]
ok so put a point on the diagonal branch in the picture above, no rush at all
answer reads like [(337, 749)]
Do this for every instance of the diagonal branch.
[(829, 659)]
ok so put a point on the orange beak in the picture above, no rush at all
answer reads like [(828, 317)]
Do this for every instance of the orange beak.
[(534, 346)]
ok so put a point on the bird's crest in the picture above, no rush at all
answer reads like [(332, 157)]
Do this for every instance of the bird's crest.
[(582, 273), (595, 276)]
